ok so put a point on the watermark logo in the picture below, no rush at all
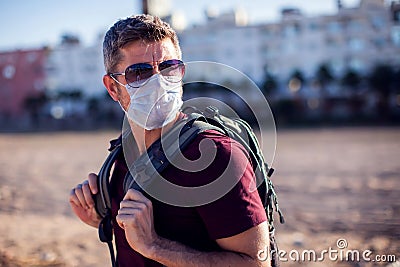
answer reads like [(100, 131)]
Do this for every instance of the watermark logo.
[(341, 243), (339, 253)]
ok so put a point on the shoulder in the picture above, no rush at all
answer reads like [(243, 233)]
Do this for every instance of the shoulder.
[(212, 141), (239, 207), (211, 156)]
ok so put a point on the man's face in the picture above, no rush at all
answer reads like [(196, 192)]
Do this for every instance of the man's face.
[(140, 52)]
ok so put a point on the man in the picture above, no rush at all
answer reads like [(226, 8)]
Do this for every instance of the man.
[(144, 71)]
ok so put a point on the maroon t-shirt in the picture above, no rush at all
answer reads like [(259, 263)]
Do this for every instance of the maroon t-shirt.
[(197, 227)]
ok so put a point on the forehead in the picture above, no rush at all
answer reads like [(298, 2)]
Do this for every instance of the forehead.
[(138, 52)]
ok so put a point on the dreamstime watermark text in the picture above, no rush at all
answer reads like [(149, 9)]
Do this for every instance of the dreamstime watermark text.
[(334, 254)]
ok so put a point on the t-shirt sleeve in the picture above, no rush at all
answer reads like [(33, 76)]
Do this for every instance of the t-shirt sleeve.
[(240, 208)]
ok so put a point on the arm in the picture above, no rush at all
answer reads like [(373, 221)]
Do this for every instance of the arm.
[(136, 218), (240, 250), (82, 203)]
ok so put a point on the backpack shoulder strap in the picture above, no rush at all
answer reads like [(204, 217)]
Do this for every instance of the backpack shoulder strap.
[(102, 198), (167, 147)]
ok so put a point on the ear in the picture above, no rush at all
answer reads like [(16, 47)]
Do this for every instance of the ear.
[(112, 87)]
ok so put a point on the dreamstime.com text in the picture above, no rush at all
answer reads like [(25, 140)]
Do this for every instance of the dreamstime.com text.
[(340, 253)]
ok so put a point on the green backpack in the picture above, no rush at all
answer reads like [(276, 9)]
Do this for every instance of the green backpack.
[(149, 164)]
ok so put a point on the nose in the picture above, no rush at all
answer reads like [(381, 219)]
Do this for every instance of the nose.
[(155, 67)]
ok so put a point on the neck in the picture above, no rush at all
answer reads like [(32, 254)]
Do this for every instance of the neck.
[(145, 138)]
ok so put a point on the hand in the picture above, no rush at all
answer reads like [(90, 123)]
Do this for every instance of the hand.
[(82, 202), (135, 216)]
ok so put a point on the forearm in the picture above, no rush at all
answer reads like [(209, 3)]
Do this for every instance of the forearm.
[(174, 254), (135, 216)]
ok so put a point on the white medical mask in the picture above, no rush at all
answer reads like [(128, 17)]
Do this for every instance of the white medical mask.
[(154, 104)]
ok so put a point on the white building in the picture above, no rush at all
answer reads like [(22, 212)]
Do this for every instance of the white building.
[(73, 67), (356, 38), (224, 39)]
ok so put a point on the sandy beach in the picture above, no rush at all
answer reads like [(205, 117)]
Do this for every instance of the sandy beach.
[(332, 183)]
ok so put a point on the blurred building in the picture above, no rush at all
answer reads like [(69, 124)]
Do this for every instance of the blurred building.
[(74, 78), (72, 67), (22, 77), (354, 38), (395, 14), (160, 8), (227, 39), (70, 74)]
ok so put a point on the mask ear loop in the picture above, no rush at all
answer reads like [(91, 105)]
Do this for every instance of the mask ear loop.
[(125, 111)]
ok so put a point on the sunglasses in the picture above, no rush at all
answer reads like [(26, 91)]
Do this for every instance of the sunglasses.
[(138, 74)]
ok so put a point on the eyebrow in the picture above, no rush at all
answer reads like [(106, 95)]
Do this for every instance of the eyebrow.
[(150, 62)]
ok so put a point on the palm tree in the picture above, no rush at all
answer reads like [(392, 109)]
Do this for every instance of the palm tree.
[(324, 77), (296, 81), (34, 105), (396, 82), (381, 80), (298, 74), (270, 84), (351, 80)]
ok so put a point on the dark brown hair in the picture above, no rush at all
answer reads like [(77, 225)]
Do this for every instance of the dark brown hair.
[(145, 28)]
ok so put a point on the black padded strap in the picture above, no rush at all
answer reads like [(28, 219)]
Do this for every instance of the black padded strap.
[(106, 236), (102, 201), (102, 198)]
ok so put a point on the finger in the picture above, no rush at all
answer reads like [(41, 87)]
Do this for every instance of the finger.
[(129, 211), (129, 204), (73, 199), (127, 220), (120, 221), (80, 196), (135, 195), (87, 194), (92, 178)]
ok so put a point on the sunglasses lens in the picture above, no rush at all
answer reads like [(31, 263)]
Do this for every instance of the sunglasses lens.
[(172, 70), (139, 73)]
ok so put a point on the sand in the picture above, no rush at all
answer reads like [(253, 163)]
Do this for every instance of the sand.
[(332, 183)]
